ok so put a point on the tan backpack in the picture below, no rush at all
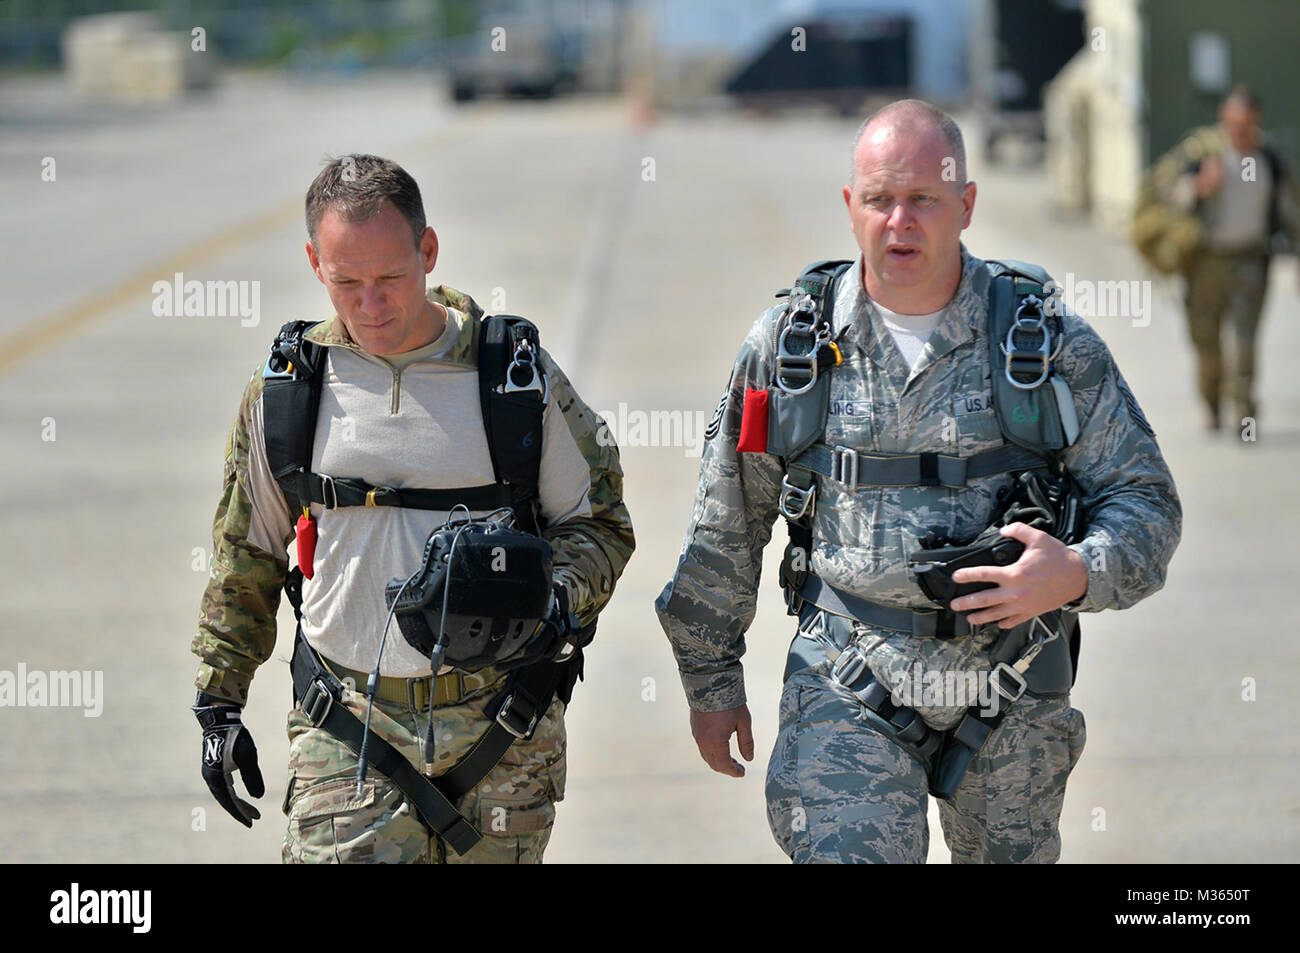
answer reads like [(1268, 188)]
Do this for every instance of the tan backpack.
[(1166, 236)]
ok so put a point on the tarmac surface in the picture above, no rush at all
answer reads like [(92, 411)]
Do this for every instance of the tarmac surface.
[(644, 253)]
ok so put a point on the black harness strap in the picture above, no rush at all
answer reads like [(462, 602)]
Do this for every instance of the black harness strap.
[(796, 561), (515, 712), (332, 492), (905, 723), (318, 695), (513, 394), (291, 386), (945, 754), (963, 742)]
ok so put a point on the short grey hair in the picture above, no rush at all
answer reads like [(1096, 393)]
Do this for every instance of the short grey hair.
[(914, 111)]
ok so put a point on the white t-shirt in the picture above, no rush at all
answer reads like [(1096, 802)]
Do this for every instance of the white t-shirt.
[(910, 331)]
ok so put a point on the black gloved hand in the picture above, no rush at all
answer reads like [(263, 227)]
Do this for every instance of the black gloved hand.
[(569, 634), (227, 747), (558, 636)]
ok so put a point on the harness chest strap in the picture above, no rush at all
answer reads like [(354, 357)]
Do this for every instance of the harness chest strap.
[(513, 392), (876, 468), (331, 492)]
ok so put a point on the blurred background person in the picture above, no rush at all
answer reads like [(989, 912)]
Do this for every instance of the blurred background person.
[(1219, 205)]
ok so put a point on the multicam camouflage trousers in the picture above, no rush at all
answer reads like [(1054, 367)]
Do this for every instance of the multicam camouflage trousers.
[(1226, 291), (513, 807), (841, 791)]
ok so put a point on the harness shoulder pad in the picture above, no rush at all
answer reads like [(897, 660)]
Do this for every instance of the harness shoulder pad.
[(513, 390), (1030, 417), (290, 399), (796, 421), (817, 277), (1021, 269)]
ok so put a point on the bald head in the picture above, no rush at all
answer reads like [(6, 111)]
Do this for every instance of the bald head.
[(914, 118), (908, 203)]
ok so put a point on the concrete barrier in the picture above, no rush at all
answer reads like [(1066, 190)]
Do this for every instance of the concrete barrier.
[(129, 57)]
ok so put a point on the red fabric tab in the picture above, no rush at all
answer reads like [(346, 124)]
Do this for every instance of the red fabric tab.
[(306, 545), (753, 423)]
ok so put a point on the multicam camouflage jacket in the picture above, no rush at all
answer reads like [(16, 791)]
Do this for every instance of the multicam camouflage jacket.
[(253, 525), (862, 537)]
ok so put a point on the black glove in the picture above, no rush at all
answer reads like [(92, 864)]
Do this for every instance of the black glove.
[(569, 633), (1051, 504), (558, 636), (228, 746)]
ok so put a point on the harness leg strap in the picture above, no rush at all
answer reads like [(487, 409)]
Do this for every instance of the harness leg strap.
[(516, 713), (319, 693)]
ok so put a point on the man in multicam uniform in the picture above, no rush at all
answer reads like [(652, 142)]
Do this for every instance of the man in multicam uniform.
[(1236, 183), (915, 378), (400, 407)]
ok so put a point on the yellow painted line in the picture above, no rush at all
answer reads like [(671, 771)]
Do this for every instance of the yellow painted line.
[(18, 347)]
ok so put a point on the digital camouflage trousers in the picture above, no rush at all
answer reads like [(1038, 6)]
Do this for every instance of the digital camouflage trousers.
[(840, 791)]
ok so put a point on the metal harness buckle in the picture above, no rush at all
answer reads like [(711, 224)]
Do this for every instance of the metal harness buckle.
[(510, 720), (1003, 670), (525, 360), (849, 666), (1016, 671), (1028, 361), (805, 498), (283, 351), (800, 365), (316, 702), (844, 466), (329, 491), (1032, 650)]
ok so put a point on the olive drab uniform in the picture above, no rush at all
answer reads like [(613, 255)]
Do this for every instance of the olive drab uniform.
[(1221, 245), (361, 547), (839, 788)]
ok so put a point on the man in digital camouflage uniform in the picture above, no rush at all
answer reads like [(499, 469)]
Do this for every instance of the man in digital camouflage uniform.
[(400, 407), (915, 378), (1232, 178)]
